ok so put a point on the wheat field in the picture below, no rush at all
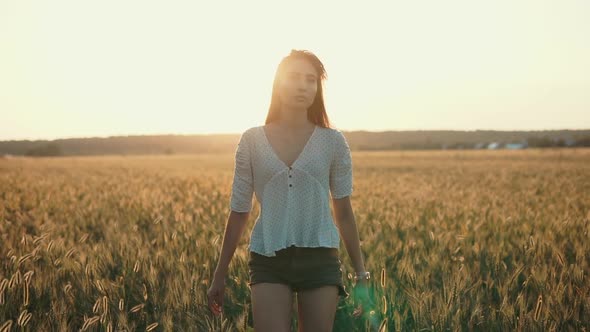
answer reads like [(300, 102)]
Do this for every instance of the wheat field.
[(455, 240)]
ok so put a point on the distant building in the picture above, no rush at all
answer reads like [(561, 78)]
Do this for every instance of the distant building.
[(494, 146), (515, 146)]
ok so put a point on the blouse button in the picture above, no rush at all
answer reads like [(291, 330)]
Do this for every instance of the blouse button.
[(290, 176), (290, 185)]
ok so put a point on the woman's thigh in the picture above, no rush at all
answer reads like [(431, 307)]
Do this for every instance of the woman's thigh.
[(317, 308), (272, 305)]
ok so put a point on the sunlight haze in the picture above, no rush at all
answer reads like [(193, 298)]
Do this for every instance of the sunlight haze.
[(105, 68)]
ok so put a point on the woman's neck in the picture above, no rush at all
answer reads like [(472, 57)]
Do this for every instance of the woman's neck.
[(293, 118)]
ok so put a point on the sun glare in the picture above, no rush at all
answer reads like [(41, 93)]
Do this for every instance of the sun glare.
[(78, 69)]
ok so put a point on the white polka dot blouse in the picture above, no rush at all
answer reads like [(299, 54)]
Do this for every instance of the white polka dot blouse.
[(294, 200)]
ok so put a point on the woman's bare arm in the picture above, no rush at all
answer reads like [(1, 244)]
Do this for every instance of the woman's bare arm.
[(344, 219), (236, 224)]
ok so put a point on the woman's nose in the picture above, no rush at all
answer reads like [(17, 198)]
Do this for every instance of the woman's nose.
[(301, 85)]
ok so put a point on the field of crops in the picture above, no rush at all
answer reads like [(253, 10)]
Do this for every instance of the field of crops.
[(456, 240)]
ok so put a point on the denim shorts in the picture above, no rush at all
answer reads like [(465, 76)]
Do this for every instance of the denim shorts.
[(298, 267)]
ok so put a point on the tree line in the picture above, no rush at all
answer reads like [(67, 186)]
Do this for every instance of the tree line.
[(358, 141)]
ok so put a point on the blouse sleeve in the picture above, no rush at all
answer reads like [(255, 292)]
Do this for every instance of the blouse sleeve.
[(242, 187), (341, 168)]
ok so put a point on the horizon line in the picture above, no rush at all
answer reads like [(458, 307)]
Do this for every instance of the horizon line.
[(238, 133)]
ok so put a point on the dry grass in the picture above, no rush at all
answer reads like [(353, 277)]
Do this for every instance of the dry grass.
[(456, 240)]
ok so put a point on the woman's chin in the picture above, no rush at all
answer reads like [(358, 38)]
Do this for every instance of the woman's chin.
[(302, 105)]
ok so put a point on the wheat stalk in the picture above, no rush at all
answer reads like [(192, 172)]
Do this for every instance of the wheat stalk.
[(539, 307), (151, 327), (26, 293), (137, 307), (89, 322), (6, 327), (23, 318)]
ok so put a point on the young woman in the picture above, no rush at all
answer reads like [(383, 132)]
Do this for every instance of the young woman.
[(293, 163)]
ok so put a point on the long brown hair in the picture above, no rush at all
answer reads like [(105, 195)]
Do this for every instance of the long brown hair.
[(316, 113)]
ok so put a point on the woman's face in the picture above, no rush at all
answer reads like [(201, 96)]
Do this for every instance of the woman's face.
[(298, 84)]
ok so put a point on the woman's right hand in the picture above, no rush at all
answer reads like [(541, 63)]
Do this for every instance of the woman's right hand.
[(215, 296)]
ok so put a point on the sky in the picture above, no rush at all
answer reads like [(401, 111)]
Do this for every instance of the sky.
[(109, 68)]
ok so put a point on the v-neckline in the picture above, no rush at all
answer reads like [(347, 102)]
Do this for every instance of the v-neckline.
[(276, 156)]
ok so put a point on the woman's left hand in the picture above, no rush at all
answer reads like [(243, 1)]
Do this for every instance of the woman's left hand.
[(361, 297)]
